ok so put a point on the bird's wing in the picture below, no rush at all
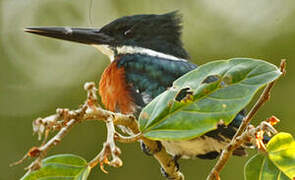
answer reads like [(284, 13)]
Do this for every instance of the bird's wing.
[(149, 76)]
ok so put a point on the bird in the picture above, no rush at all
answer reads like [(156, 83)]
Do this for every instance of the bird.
[(146, 55)]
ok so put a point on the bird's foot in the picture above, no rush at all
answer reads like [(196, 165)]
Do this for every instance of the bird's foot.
[(147, 150), (175, 159)]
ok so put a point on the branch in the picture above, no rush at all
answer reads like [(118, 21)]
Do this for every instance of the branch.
[(239, 137), (65, 119)]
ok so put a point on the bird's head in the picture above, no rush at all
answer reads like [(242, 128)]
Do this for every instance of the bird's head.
[(128, 34)]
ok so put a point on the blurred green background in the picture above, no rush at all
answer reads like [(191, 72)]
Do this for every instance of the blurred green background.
[(38, 74)]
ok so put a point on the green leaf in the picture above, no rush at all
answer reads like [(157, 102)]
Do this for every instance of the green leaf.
[(62, 166), (259, 167), (277, 164), (193, 106), (281, 151)]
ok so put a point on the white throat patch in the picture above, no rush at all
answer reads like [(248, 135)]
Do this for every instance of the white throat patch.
[(105, 49)]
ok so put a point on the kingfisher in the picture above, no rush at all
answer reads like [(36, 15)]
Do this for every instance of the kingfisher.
[(146, 55)]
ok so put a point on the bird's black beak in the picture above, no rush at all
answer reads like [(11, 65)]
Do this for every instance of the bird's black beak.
[(82, 35)]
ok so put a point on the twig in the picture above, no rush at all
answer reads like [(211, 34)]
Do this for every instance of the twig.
[(68, 119), (109, 149), (129, 139), (41, 152), (238, 139), (63, 121)]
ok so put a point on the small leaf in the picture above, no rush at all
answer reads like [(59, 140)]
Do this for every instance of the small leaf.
[(281, 151), (259, 167), (198, 100), (62, 166)]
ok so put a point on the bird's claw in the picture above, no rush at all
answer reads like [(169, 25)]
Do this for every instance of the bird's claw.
[(146, 149), (165, 174)]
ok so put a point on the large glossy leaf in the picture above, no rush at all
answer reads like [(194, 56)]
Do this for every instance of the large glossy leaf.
[(212, 93), (259, 167), (61, 167), (281, 151)]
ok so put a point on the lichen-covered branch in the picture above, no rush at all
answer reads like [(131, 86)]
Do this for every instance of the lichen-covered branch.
[(243, 133)]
